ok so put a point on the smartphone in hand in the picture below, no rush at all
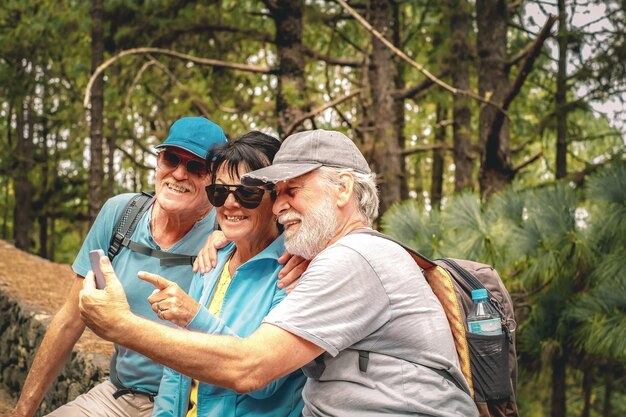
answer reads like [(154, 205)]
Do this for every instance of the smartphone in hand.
[(94, 258)]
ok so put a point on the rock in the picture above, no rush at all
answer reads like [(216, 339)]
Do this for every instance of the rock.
[(22, 330)]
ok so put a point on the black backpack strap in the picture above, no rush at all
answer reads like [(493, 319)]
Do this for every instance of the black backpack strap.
[(167, 258), (126, 225), (121, 389), (127, 222)]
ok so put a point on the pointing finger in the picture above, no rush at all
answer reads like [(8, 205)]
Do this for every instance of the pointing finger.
[(158, 281)]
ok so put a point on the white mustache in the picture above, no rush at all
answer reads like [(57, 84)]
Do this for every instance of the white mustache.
[(289, 216)]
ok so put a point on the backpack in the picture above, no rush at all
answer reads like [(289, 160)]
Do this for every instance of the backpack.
[(489, 363), (125, 226)]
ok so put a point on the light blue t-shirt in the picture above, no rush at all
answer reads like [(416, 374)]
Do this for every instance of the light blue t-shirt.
[(132, 369)]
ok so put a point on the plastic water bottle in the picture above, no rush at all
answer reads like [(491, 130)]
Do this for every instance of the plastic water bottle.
[(483, 319)]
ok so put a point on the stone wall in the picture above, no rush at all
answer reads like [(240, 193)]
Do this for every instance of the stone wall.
[(21, 330)]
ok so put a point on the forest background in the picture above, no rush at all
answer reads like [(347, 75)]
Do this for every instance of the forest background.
[(496, 129)]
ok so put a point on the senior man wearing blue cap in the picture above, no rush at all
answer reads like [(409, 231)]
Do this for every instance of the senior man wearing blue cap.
[(363, 323), (179, 221)]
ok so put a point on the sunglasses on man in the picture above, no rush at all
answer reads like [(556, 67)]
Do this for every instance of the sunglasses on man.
[(169, 160), (247, 197)]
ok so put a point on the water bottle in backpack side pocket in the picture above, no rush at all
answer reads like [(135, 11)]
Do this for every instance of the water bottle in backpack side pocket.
[(483, 319)]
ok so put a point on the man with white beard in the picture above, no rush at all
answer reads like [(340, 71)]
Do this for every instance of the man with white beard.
[(363, 324)]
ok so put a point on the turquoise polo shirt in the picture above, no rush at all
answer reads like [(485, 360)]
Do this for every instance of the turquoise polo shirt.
[(130, 368)]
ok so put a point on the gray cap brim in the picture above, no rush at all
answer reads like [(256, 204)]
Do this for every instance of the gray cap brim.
[(276, 173)]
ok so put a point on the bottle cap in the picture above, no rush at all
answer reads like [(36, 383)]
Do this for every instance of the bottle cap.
[(479, 294)]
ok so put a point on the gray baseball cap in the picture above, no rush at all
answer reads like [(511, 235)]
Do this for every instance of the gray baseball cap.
[(306, 151)]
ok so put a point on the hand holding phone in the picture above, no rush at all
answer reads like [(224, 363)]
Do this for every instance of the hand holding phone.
[(94, 258)]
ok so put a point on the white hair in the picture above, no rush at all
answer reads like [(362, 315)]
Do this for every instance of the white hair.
[(365, 190)]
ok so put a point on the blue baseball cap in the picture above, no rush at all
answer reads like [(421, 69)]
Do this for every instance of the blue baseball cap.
[(197, 135)]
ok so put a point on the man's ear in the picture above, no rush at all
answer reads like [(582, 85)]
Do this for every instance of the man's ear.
[(346, 187)]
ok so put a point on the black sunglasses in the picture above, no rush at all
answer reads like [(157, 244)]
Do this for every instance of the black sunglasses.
[(248, 197), (169, 161)]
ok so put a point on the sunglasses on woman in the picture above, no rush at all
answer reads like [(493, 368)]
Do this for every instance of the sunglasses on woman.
[(168, 160), (247, 197)]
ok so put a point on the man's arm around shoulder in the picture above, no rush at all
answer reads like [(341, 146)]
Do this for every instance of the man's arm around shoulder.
[(245, 365), (242, 365), (54, 351)]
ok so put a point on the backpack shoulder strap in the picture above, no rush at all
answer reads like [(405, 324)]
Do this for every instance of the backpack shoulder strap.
[(165, 258), (125, 226), (127, 221), (420, 259)]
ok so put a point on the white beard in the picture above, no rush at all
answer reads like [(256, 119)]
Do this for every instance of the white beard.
[(316, 229)]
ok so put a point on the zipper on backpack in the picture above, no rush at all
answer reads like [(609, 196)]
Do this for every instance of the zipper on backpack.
[(469, 278)]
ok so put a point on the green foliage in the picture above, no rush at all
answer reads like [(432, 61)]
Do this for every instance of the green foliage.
[(600, 313), (558, 249), (607, 193), (418, 228), (549, 235), (470, 227), (562, 254)]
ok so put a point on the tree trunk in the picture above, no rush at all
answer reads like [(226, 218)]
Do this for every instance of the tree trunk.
[(385, 136), (398, 104), (53, 236), (608, 394), (5, 214), (111, 139), (43, 205), (558, 404), (43, 236), (418, 178), (496, 170), (460, 63), (561, 95), (587, 386), (291, 90), (7, 178), (136, 175), (96, 112), (23, 187), (436, 185)]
